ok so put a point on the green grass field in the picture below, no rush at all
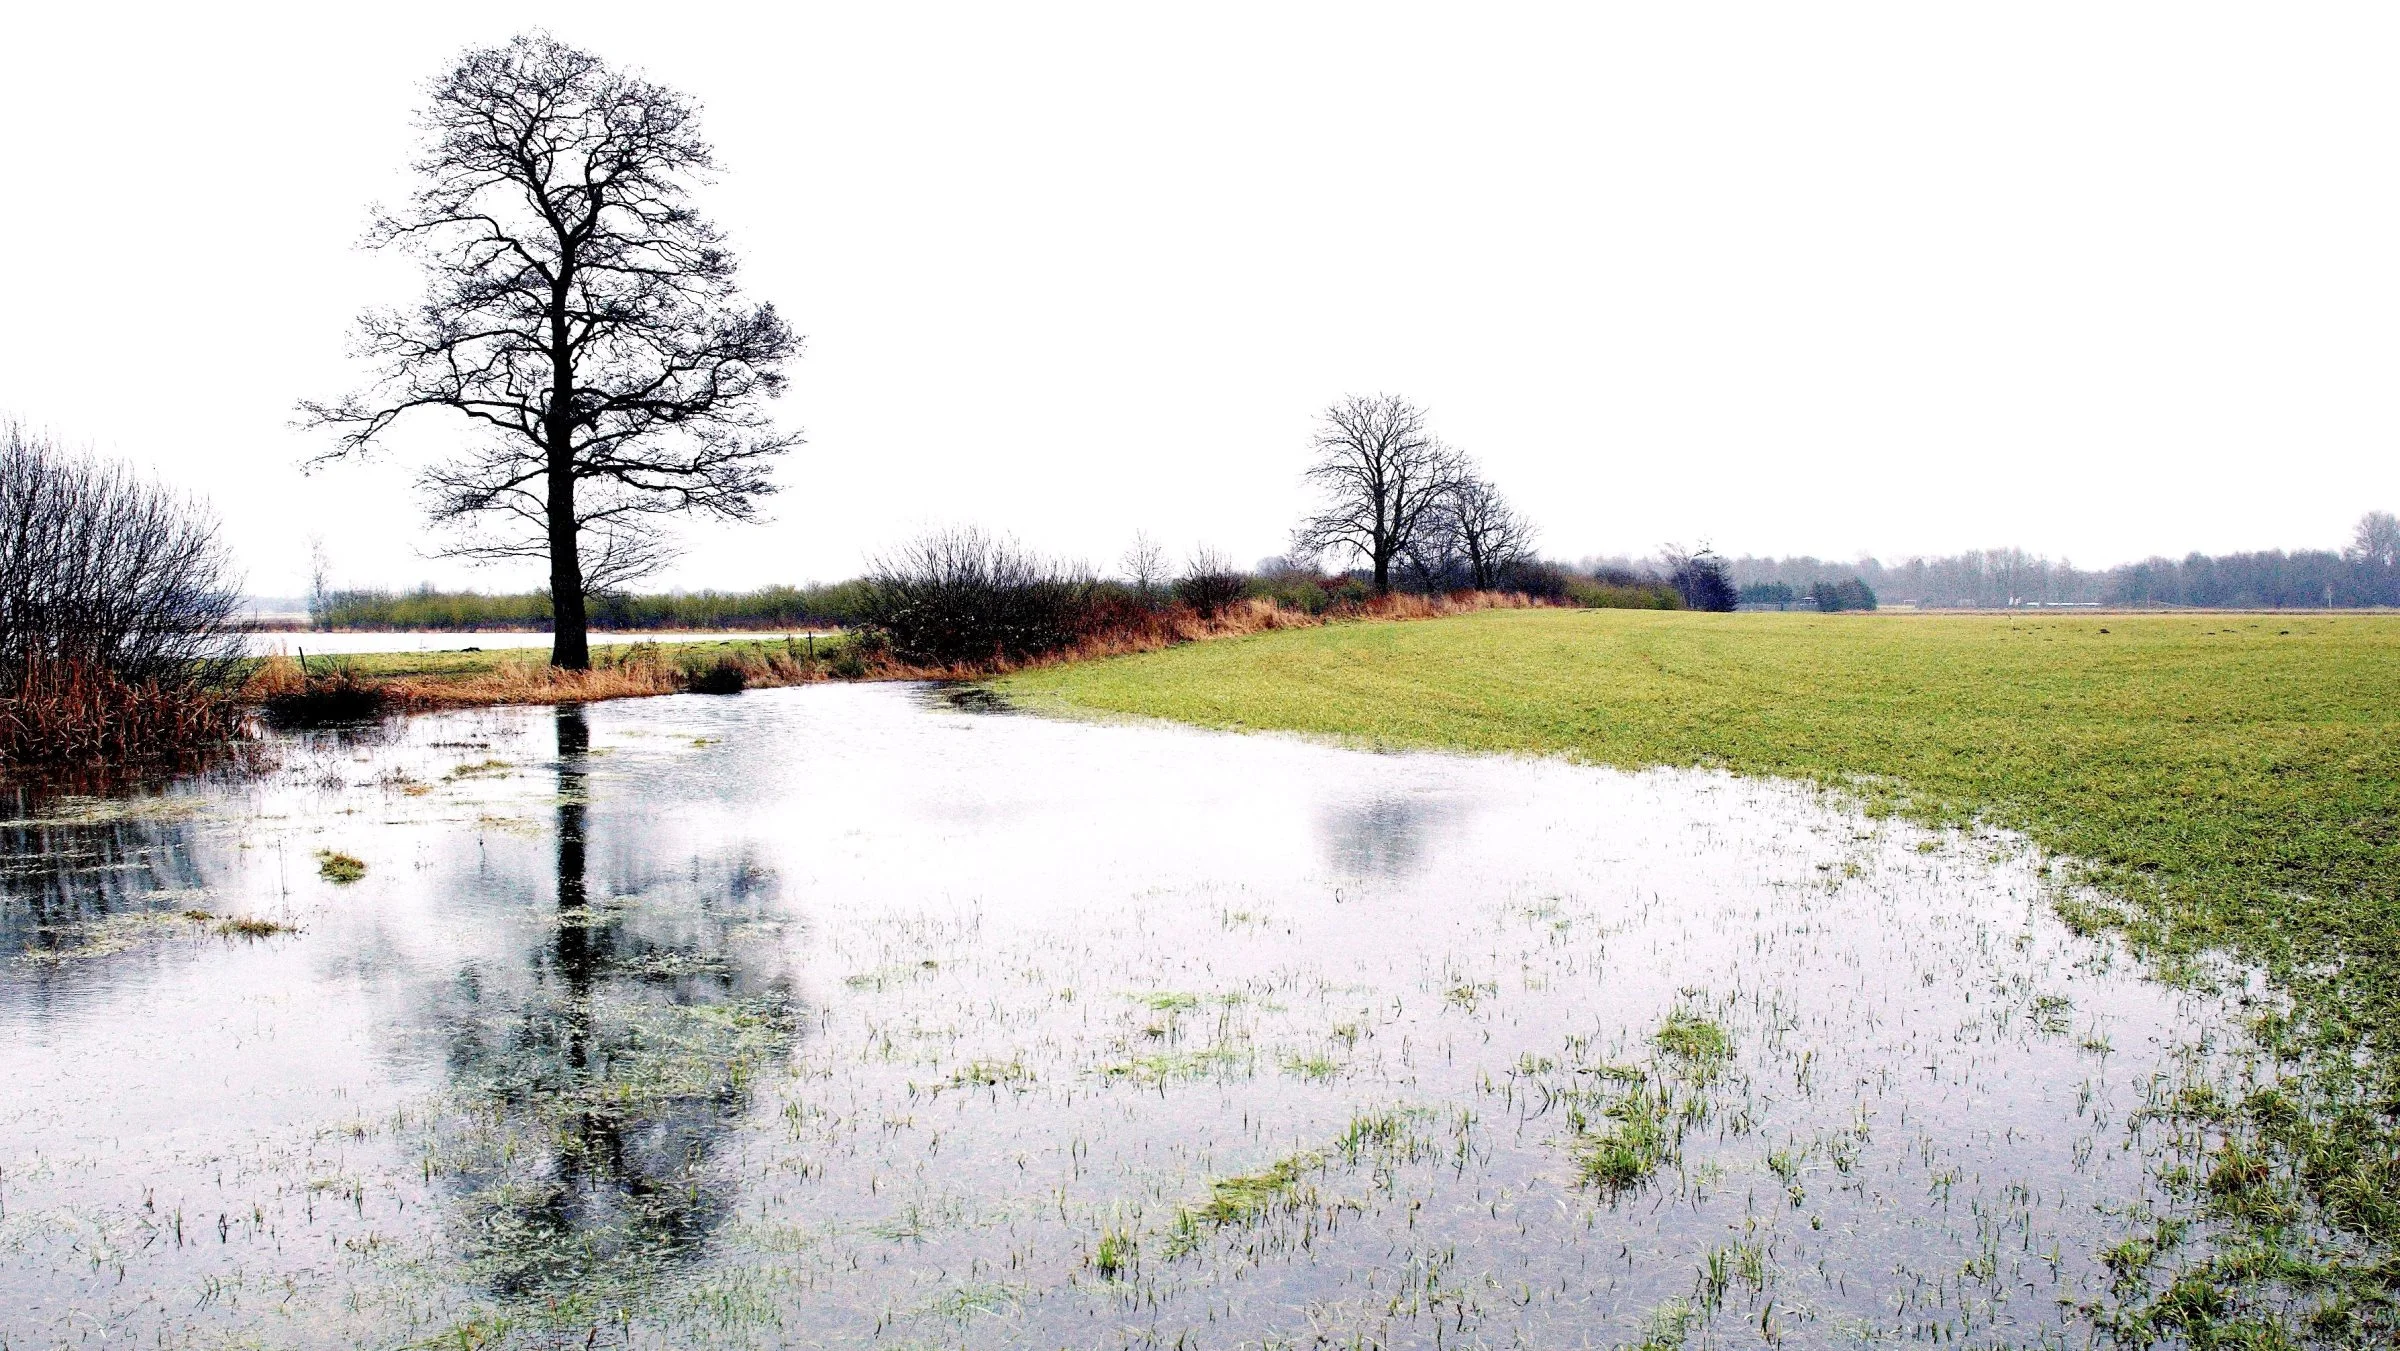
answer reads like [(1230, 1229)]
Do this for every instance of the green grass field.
[(2229, 782)]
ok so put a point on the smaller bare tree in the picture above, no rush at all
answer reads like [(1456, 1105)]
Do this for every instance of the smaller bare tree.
[(320, 582), (1145, 564), (2376, 541), (1484, 532), (1383, 475)]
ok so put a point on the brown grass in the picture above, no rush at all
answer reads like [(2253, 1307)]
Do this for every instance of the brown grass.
[(79, 713)]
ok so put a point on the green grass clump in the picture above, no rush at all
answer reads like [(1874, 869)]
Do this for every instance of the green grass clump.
[(1636, 1141), (1696, 1042), (1114, 1256), (2229, 784), (338, 868), (989, 1074), (1235, 1200)]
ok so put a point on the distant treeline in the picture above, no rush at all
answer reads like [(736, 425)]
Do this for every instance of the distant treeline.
[(2365, 574), (771, 607)]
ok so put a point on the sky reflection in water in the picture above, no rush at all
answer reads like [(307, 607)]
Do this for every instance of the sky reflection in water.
[(838, 1015)]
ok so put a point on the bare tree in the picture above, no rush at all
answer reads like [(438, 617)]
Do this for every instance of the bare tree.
[(1483, 531), (1383, 476), (2376, 541), (320, 582), (581, 313), (1145, 564)]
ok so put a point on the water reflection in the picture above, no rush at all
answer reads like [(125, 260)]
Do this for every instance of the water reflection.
[(1384, 838), (597, 1076), (81, 874)]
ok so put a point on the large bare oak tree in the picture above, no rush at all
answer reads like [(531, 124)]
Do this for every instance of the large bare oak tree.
[(1383, 475), (581, 312)]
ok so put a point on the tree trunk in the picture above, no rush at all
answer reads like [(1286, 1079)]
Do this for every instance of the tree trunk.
[(570, 638), (1383, 574)]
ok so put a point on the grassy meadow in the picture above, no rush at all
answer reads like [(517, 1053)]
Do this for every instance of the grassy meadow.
[(2227, 784)]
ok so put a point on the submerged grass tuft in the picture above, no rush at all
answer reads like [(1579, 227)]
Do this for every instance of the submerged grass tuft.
[(1697, 1042), (339, 868), (1235, 1200)]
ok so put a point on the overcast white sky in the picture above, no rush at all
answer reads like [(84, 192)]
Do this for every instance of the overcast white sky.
[(2098, 280)]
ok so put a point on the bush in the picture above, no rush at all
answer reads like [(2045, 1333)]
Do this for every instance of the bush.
[(722, 676), (328, 700), (1608, 595), (1212, 586), (117, 638), (1853, 594), (966, 598)]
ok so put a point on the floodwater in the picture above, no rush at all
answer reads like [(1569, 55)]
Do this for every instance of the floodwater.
[(287, 642), (842, 1016)]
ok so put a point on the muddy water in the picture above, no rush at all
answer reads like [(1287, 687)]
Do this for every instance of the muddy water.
[(840, 1016)]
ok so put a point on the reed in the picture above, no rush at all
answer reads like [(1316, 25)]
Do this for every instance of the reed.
[(67, 711)]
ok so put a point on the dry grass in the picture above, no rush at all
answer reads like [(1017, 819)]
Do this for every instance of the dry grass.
[(79, 713), (511, 678)]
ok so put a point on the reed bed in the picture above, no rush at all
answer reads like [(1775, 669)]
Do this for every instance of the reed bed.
[(70, 712)]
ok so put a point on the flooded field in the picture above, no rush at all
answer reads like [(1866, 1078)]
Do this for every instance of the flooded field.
[(844, 1016)]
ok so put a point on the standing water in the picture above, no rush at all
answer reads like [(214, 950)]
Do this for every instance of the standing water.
[(841, 1016)]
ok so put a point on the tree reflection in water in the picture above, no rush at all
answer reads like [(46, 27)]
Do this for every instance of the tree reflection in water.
[(594, 1082)]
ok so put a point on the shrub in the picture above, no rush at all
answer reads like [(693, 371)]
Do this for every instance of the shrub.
[(331, 699), (722, 676), (1628, 593), (117, 638), (963, 597), (1852, 594), (1212, 585), (1541, 581)]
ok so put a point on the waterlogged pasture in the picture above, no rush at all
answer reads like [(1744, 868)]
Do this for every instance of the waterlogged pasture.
[(844, 1015)]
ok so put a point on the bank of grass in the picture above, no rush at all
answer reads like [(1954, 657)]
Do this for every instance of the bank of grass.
[(368, 683), (2230, 783), (353, 686)]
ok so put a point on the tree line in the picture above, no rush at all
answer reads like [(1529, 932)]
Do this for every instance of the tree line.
[(2366, 572)]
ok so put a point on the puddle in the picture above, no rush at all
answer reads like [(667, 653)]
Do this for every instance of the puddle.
[(845, 1015)]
